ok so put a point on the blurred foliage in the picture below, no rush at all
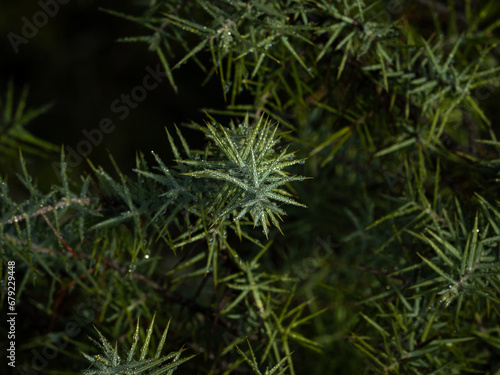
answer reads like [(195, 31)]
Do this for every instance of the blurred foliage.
[(13, 133)]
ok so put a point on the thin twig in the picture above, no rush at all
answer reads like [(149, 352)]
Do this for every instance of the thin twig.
[(43, 210), (59, 236)]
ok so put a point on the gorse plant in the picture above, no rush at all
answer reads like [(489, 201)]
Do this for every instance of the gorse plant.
[(252, 173), (113, 364), (390, 107), (252, 166)]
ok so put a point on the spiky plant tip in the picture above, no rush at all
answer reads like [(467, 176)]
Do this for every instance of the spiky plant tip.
[(111, 363), (251, 172)]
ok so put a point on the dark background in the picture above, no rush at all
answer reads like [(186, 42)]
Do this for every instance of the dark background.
[(76, 62)]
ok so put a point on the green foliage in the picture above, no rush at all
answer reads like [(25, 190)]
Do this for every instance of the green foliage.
[(13, 133), (392, 110), (252, 173), (132, 213), (253, 363), (111, 363)]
